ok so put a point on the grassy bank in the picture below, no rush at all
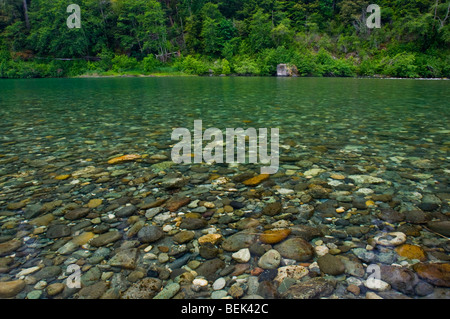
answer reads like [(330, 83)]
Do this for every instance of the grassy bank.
[(308, 63)]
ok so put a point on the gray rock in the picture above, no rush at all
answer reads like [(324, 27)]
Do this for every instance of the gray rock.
[(125, 258), (146, 288), (400, 278), (47, 273), (365, 255), (242, 239), (76, 213), (150, 234), (126, 211), (91, 276), (94, 291), (311, 289), (57, 231), (416, 217), (441, 227), (169, 291), (106, 238), (295, 248), (193, 223), (331, 265), (209, 268)]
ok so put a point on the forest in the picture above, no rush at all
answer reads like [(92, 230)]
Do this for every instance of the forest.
[(224, 37)]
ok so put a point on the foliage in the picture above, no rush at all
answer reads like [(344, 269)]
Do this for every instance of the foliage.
[(247, 37)]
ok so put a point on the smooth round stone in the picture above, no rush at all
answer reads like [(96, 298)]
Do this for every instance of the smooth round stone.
[(201, 282), (219, 294), (242, 255), (34, 294), (270, 260), (377, 284), (390, 239), (321, 250), (219, 284)]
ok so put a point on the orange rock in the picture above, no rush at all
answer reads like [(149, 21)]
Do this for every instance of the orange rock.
[(256, 180), (174, 203), (210, 238), (124, 158), (436, 274), (411, 252), (256, 271), (274, 236), (62, 177)]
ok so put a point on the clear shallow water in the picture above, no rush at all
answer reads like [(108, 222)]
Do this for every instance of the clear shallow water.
[(331, 110), (393, 130)]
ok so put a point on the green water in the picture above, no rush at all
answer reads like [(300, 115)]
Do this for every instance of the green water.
[(334, 110)]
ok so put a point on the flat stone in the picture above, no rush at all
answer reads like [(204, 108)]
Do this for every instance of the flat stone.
[(76, 213), (125, 258), (210, 238), (183, 237), (193, 223), (295, 272), (331, 265), (146, 288), (47, 273), (239, 240), (126, 211), (95, 202), (274, 236), (376, 284), (209, 268), (42, 220), (311, 289), (242, 255), (57, 231), (400, 278), (105, 239), (9, 289), (219, 283), (272, 209), (254, 181), (411, 252), (296, 248), (10, 246), (441, 227), (416, 217), (390, 239), (176, 203), (270, 260), (168, 291), (56, 288), (150, 234), (436, 274), (94, 291), (365, 179)]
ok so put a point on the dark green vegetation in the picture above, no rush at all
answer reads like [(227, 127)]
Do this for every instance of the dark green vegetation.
[(245, 37)]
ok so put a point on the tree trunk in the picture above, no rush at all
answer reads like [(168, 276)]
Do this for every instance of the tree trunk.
[(25, 12)]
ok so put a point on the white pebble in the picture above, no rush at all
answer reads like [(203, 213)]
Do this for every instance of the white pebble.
[(219, 283), (242, 255), (200, 282), (321, 250), (377, 284)]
